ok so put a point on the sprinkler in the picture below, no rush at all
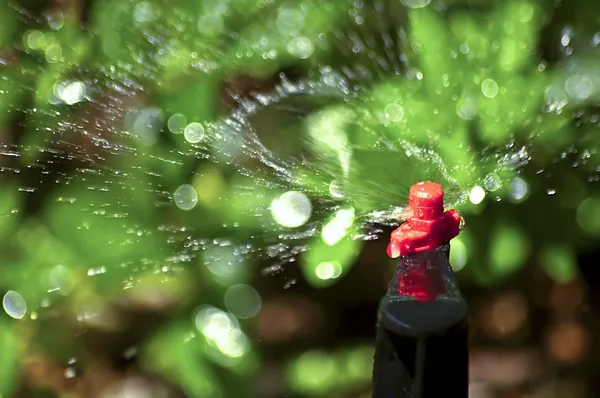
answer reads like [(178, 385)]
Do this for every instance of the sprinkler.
[(422, 331)]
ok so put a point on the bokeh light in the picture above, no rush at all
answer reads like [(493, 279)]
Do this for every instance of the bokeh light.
[(477, 195), (222, 331), (243, 301), (588, 215), (505, 316), (291, 209), (338, 227), (193, 133), (185, 197), (568, 342)]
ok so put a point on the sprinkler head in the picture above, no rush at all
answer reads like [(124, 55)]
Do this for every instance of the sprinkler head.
[(429, 226)]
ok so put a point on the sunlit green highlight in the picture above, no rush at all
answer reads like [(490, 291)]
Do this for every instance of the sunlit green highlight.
[(328, 270), (338, 227), (300, 47), (358, 363), (322, 373), (459, 254), (61, 279), (324, 263), (210, 186), (313, 372)]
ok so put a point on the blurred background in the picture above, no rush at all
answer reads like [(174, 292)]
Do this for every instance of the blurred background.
[(196, 195)]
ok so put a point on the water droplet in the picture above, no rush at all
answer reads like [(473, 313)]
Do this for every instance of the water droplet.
[(34, 39), (70, 373), (185, 197), (565, 38), (56, 20), (477, 195), (14, 304), (177, 123), (193, 133), (300, 47), (489, 88), (415, 3), (292, 209), (70, 92), (492, 182), (556, 98), (53, 53), (146, 124), (96, 271), (518, 189), (289, 283), (466, 108), (394, 112)]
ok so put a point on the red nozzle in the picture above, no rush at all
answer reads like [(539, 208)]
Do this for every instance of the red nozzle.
[(429, 226)]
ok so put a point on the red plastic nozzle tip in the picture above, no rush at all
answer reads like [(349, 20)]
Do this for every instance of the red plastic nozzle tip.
[(429, 226), (426, 194)]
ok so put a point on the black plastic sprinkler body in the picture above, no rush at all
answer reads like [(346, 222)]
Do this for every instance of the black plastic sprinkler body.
[(422, 332)]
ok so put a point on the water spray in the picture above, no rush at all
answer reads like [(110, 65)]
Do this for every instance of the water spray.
[(422, 332)]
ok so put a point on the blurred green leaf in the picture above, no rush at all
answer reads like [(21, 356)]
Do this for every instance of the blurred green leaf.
[(509, 248), (8, 358), (559, 262)]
